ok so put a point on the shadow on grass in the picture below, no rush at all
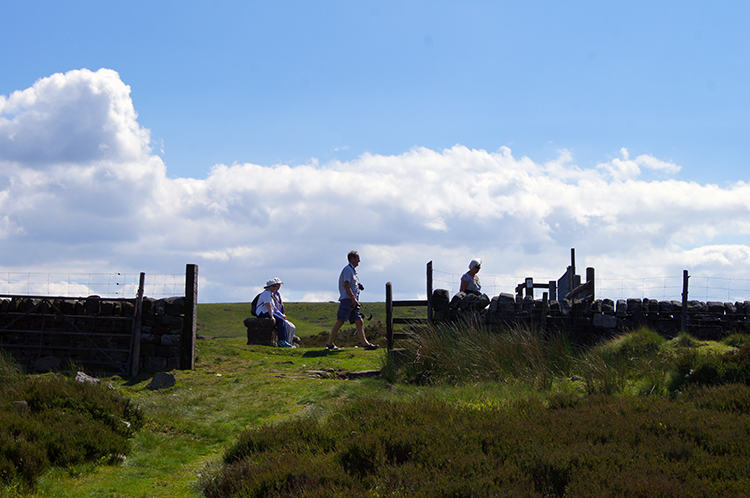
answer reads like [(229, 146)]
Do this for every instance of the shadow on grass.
[(319, 354)]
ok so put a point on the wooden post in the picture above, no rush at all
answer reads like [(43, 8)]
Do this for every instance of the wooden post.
[(529, 287), (187, 344), (135, 346), (543, 321), (590, 280), (553, 290), (389, 315), (429, 291), (573, 262), (683, 322)]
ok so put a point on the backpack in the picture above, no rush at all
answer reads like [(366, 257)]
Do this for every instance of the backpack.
[(254, 306)]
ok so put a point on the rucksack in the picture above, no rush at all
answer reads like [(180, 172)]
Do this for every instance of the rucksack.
[(254, 305)]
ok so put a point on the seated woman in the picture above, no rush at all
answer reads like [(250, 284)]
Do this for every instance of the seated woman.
[(271, 306), (469, 280)]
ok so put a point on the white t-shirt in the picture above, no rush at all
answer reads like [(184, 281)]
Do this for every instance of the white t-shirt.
[(265, 298)]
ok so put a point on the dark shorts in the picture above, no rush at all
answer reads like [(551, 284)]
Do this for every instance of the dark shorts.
[(347, 312)]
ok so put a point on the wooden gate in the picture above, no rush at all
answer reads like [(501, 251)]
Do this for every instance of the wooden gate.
[(390, 320)]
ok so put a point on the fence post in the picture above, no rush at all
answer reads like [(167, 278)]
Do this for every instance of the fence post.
[(552, 290), (529, 287), (683, 322), (187, 344), (135, 347), (573, 263), (429, 291), (590, 279), (389, 315)]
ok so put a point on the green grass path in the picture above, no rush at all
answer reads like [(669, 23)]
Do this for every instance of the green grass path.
[(233, 387)]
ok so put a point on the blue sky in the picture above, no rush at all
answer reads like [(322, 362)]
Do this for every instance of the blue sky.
[(635, 100)]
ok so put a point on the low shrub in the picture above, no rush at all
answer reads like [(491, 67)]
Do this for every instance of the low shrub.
[(692, 368), (601, 446), (737, 340), (55, 421)]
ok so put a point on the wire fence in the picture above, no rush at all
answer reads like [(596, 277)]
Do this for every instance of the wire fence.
[(666, 288), (106, 285)]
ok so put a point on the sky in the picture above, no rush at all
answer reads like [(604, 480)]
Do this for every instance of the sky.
[(263, 139)]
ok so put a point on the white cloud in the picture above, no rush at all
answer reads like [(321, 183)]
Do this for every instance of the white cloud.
[(80, 185)]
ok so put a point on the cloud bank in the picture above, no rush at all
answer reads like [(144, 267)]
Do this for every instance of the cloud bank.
[(81, 190)]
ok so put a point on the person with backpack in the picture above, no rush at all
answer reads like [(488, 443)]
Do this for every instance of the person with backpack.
[(270, 305)]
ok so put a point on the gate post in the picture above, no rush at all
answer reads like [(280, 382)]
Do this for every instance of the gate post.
[(189, 324), (135, 347), (429, 291), (389, 315), (683, 321)]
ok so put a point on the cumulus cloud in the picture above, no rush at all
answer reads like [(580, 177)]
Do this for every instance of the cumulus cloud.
[(80, 188)]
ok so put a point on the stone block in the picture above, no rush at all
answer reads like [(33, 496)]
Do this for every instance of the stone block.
[(605, 321), (171, 340), (167, 351), (621, 308), (154, 364)]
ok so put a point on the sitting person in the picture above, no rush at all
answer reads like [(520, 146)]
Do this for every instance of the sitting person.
[(271, 306), (469, 280)]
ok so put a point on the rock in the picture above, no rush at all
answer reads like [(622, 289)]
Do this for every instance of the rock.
[(171, 340), (321, 374), (363, 374), (605, 321), (456, 301), (161, 380), (621, 309), (440, 300), (154, 364), (21, 406), (83, 378)]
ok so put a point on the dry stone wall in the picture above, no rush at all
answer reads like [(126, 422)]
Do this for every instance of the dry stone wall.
[(43, 333), (162, 325), (587, 321)]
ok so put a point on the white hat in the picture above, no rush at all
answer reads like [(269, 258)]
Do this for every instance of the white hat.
[(273, 281), (475, 262)]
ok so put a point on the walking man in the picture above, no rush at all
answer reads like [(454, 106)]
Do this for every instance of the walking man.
[(349, 288)]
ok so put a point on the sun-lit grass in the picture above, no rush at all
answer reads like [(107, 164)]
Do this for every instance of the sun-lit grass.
[(235, 388)]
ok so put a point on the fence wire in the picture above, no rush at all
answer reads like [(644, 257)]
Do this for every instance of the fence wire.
[(106, 285), (664, 288)]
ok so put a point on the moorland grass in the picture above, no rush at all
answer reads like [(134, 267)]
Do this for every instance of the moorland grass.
[(54, 420), (463, 352), (629, 431), (600, 446), (237, 391)]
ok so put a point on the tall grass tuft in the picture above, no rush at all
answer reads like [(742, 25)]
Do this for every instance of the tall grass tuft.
[(464, 352), (634, 362)]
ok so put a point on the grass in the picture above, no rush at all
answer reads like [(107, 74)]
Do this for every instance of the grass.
[(233, 387), (554, 414), (625, 446), (311, 319), (55, 421)]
